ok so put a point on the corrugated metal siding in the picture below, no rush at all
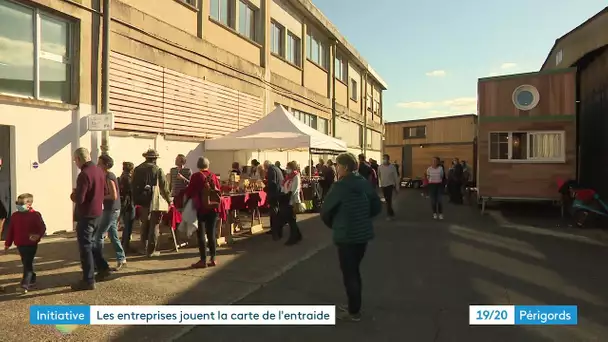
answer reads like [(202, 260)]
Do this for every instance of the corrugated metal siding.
[(148, 98)]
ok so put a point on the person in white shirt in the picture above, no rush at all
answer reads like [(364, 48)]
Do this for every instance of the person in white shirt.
[(434, 175), (292, 189), (389, 183)]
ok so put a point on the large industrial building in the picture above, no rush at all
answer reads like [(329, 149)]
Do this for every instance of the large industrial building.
[(181, 72)]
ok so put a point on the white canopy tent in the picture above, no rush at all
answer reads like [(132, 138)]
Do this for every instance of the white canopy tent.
[(279, 130)]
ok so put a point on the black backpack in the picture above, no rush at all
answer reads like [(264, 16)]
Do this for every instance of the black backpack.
[(144, 181)]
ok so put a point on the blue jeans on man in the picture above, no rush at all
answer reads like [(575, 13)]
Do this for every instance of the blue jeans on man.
[(91, 255), (109, 224)]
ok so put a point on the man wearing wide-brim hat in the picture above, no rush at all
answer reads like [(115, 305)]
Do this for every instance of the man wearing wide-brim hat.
[(151, 193)]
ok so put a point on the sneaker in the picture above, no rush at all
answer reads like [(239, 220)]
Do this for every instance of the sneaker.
[(434, 216), (211, 263), (154, 254), (348, 317), (103, 275), (389, 218), (441, 216), (23, 288), (82, 286), (199, 264), (120, 265)]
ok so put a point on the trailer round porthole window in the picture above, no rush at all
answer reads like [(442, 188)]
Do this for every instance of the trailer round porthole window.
[(525, 97)]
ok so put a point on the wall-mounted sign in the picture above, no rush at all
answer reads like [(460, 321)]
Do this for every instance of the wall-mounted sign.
[(101, 122)]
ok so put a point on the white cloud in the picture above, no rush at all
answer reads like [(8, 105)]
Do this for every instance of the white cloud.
[(436, 73), (460, 105), (505, 66)]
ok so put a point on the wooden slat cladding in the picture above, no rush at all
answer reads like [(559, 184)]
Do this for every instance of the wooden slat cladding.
[(526, 179), (422, 157), (557, 94), (152, 99), (457, 129), (136, 94), (521, 179)]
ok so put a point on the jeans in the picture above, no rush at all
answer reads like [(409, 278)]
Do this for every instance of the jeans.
[(350, 256), (288, 216), (388, 191), (206, 228), (91, 256), (28, 253), (128, 220), (109, 224), (435, 193)]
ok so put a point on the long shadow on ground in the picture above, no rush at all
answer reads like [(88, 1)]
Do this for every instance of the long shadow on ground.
[(421, 275)]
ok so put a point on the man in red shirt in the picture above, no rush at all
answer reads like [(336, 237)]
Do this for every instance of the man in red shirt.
[(88, 197), (25, 230)]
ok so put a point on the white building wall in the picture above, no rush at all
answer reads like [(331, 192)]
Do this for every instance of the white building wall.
[(48, 137)]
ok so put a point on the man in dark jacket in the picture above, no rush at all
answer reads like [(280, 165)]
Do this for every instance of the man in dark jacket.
[(348, 210), (146, 177), (88, 199), (274, 180)]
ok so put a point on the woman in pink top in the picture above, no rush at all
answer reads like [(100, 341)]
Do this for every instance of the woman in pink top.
[(434, 176)]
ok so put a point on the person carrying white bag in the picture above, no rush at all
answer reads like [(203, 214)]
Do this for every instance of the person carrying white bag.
[(189, 219)]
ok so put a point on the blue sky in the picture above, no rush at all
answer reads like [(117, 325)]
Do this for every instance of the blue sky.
[(431, 53)]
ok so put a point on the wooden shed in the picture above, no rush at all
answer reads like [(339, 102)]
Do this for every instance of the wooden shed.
[(414, 143), (526, 135)]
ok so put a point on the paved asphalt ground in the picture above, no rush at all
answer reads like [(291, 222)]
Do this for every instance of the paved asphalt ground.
[(421, 275)]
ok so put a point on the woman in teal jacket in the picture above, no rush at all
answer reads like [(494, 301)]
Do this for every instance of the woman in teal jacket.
[(348, 210)]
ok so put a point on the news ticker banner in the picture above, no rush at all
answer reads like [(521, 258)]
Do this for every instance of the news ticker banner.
[(73, 315), (523, 315)]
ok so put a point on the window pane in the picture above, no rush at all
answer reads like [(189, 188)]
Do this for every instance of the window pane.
[(246, 21), (322, 56), (519, 146), (308, 46), (54, 83), (224, 12), (215, 9), (274, 37), (314, 51), (546, 146), (322, 125), (54, 36), (503, 151), (16, 49), (338, 68), (293, 49)]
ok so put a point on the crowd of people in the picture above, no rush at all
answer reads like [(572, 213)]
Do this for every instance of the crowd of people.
[(102, 200)]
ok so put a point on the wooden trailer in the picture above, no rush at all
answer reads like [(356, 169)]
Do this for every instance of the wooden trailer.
[(413, 143), (526, 136)]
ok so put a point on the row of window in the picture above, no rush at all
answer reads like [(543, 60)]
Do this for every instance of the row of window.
[(320, 124), (223, 12), (36, 54), (534, 146)]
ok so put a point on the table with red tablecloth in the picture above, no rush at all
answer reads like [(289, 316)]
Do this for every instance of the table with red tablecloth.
[(251, 201), (228, 212)]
